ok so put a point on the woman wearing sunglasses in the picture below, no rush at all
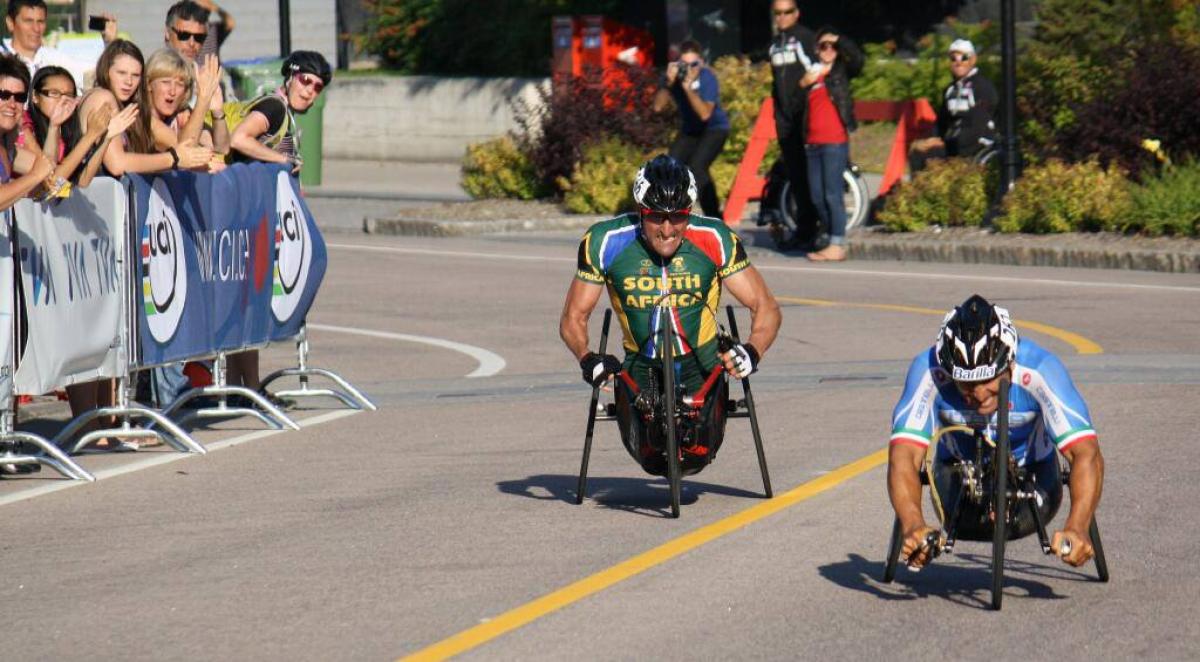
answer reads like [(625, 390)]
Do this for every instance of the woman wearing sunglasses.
[(829, 120), (269, 131)]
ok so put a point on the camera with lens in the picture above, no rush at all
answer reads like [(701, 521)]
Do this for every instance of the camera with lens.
[(681, 69)]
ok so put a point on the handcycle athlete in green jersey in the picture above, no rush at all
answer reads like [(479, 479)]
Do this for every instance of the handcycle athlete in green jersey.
[(665, 265)]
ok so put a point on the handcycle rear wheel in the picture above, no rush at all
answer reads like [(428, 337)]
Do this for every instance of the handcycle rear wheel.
[(893, 555), (1000, 497), (668, 363)]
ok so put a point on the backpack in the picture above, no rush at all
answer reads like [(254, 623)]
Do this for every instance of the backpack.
[(236, 112)]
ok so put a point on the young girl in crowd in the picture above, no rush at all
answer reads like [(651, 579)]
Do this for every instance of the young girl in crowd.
[(21, 170), (52, 126), (119, 86)]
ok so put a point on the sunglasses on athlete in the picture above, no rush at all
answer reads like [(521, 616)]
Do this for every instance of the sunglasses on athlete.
[(657, 217), (309, 79), (21, 97)]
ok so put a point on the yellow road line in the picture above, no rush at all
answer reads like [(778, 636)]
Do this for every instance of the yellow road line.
[(531, 611), (1081, 344)]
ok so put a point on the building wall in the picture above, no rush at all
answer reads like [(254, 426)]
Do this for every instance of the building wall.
[(419, 118), (314, 25)]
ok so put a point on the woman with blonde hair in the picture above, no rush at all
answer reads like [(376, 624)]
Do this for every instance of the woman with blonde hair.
[(170, 83)]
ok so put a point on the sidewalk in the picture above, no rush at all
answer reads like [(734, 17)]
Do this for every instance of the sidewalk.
[(389, 180)]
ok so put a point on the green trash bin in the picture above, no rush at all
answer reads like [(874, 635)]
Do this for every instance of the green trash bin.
[(254, 78)]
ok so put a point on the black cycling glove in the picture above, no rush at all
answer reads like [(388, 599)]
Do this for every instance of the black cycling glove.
[(597, 368)]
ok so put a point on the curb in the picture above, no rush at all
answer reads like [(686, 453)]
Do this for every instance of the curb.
[(915, 250), (1016, 250)]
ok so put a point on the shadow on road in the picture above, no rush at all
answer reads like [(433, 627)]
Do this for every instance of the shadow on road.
[(641, 496), (966, 584)]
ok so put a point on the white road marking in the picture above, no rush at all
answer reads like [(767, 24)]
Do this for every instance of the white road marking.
[(490, 363), (165, 457), (768, 267)]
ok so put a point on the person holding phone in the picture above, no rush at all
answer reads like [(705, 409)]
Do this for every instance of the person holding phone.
[(26, 21), (703, 125)]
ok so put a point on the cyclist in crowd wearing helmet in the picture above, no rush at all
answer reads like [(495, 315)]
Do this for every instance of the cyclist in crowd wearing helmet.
[(665, 254), (269, 133), (957, 382)]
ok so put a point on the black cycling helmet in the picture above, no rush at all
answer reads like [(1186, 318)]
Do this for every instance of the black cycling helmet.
[(307, 62), (977, 341), (664, 184)]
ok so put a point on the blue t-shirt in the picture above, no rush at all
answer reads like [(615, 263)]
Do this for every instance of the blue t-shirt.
[(1045, 409), (710, 91)]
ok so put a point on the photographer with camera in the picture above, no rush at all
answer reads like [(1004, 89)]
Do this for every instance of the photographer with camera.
[(703, 125)]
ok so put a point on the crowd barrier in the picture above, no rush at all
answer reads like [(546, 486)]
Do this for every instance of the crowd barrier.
[(126, 276)]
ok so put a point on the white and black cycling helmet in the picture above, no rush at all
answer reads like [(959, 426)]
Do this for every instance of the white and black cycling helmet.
[(977, 341), (664, 184)]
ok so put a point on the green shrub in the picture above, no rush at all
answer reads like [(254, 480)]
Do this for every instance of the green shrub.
[(1167, 204), (744, 86), (1060, 197), (948, 192), (498, 169), (603, 179)]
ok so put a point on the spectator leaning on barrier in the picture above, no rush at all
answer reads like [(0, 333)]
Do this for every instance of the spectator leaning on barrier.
[(703, 125), (26, 20), (119, 86), (829, 122), (170, 83), (966, 119), (268, 133), (793, 54), (21, 170), (52, 122)]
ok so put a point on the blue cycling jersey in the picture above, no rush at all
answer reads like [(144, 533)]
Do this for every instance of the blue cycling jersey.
[(1045, 409)]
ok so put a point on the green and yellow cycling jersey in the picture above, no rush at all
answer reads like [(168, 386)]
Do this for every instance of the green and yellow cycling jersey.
[(648, 290)]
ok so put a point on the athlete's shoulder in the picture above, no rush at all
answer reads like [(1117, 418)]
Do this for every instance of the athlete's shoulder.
[(602, 243), (719, 242), (1032, 355)]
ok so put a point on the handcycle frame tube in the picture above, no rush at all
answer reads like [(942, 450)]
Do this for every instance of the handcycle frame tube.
[(753, 414), (581, 486)]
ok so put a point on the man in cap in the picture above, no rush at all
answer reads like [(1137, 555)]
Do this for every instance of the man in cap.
[(965, 120)]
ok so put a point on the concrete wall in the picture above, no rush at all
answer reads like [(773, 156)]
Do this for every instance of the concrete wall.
[(418, 118), (314, 25)]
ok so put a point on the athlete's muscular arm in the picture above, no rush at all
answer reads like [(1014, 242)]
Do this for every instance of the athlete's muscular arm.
[(1087, 481), (904, 489), (749, 288), (573, 327)]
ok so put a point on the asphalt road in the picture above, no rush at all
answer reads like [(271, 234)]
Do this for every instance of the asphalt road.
[(372, 536)]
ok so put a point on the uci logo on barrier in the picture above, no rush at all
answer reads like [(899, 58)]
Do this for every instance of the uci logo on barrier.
[(293, 250), (164, 269)]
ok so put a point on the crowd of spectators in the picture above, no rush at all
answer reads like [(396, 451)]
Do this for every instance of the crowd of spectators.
[(141, 115)]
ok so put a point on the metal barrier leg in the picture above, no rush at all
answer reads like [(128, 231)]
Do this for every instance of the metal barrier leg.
[(273, 416), (174, 436), (53, 456), (348, 395)]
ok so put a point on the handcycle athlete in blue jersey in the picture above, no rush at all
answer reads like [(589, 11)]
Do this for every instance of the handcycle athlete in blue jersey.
[(956, 383)]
